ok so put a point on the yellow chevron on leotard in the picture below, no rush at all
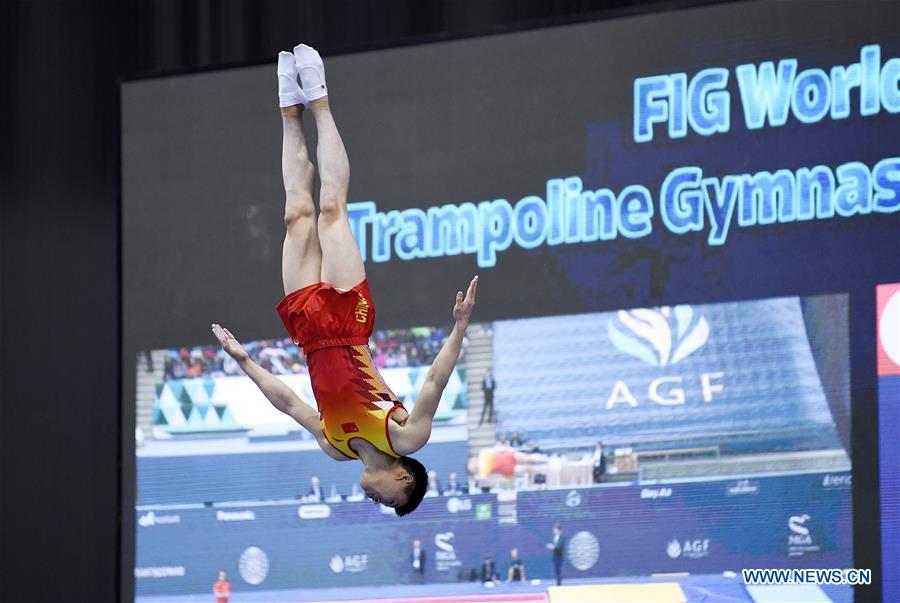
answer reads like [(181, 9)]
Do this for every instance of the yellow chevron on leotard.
[(353, 399)]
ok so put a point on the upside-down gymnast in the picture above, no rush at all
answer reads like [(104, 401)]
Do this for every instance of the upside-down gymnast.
[(328, 310)]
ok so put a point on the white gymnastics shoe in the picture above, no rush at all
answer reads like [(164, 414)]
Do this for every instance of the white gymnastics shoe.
[(289, 91), (311, 70)]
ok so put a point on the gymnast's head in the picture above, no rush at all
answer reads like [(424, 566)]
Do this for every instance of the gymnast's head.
[(400, 486)]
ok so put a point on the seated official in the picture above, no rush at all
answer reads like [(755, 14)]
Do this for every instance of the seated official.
[(315, 491), (453, 486), (434, 485), (516, 571), (489, 570)]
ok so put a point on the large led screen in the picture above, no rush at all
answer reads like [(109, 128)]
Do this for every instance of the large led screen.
[(678, 221)]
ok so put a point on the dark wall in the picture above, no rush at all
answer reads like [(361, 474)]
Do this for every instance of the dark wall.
[(59, 295)]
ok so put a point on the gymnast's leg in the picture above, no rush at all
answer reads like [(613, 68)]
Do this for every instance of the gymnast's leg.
[(301, 259), (342, 264)]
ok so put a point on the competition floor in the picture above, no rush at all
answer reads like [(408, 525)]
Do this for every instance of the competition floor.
[(680, 589)]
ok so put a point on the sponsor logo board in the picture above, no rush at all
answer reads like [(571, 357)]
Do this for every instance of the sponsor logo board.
[(456, 504), (253, 565), (445, 555), (349, 563), (235, 515), (695, 548), (830, 481), (800, 538), (654, 493), (742, 487), (150, 519), (170, 571), (583, 550), (659, 336), (314, 511)]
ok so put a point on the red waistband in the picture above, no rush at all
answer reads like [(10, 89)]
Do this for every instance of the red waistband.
[(334, 342)]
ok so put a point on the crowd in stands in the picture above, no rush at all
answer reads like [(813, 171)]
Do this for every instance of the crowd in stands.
[(278, 356), (390, 348), (453, 487), (406, 347)]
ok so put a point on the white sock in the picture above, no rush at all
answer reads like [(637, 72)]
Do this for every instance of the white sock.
[(289, 92), (311, 70)]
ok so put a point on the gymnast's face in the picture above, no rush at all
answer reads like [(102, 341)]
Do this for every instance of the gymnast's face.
[(386, 486)]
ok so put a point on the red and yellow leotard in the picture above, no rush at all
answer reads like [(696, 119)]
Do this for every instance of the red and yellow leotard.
[(334, 326)]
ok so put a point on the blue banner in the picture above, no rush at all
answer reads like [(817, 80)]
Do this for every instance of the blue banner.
[(633, 529)]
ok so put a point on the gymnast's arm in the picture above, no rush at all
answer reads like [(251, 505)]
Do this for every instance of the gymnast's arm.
[(278, 393), (415, 433)]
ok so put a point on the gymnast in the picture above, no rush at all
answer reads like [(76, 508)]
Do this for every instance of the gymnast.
[(328, 310)]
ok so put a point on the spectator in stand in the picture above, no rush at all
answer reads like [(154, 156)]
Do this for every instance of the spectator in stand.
[(516, 571), (418, 561), (266, 363), (487, 387), (599, 462), (222, 588), (277, 357), (558, 546), (514, 440), (177, 364), (230, 366), (454, 487), (489, 570), (434, 486), (315, 492), (195, 370)]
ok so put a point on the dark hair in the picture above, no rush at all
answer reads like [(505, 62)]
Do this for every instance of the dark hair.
[(415, 492)]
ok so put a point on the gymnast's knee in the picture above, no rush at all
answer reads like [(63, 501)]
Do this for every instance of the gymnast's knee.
[(332, 203), (298, 209)]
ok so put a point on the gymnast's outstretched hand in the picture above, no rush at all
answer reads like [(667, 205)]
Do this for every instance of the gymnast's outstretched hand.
[(230, 343), (462, 309), (417, 430), (275, 390)]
